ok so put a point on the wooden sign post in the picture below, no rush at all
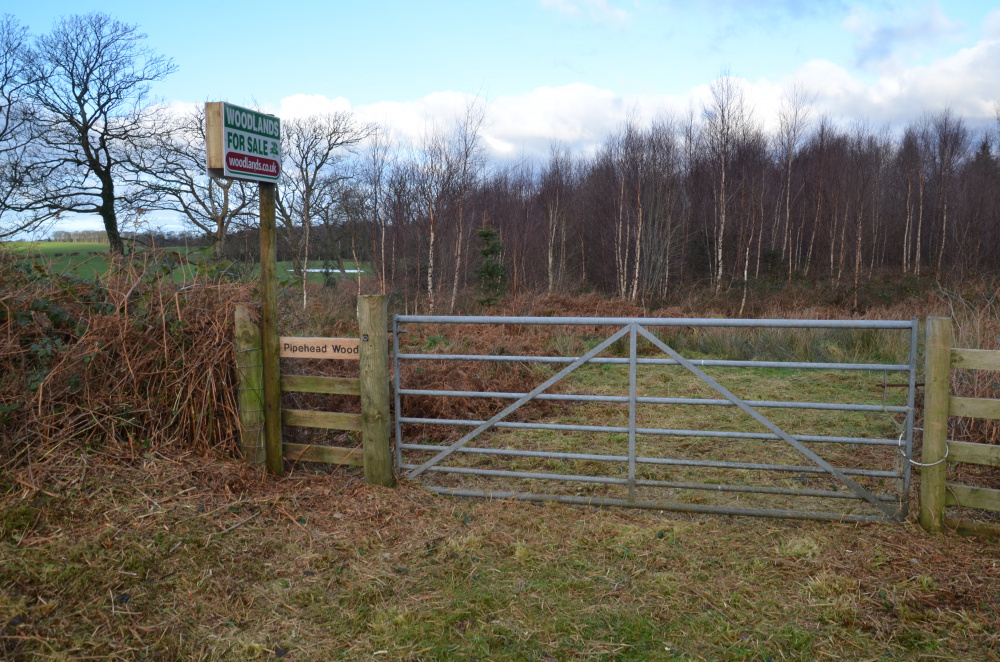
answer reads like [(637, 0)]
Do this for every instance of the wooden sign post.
[(244, 144), (269, 331)]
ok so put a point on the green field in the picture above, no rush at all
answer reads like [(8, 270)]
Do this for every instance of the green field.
[(79, 259), (91, 260)]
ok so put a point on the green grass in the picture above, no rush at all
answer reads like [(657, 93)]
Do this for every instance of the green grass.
[(79, 259), (49, 248), (90, 261)]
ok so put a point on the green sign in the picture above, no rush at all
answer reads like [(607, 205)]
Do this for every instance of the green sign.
[(248, 142)]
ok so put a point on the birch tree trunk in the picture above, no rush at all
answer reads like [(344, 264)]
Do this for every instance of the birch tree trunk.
[(638, 241), (920, 221), (430, 265)]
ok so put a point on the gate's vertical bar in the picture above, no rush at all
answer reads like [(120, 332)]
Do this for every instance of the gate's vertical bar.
[(937, 390), (631, 409), (911, 399), (397, 408)]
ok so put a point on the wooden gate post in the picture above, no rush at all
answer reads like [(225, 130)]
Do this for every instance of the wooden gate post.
[(374, 358), (249, 370), (937, 391)]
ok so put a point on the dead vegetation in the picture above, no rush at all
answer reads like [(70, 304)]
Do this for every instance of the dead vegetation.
[(132, 359), (180, 556)]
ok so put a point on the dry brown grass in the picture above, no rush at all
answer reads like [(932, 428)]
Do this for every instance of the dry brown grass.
[(134, 359), (183, 556)]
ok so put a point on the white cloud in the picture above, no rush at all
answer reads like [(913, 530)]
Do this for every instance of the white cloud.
[(882, 37), (412, 119), (303, 105), (182, 108), (991, 25), (966, 81), (582, 115)]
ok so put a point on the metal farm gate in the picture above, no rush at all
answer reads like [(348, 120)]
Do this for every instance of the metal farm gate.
[(857, 469)]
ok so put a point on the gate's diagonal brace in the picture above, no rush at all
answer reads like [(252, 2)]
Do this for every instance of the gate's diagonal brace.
[(516, 405), (763, 420)]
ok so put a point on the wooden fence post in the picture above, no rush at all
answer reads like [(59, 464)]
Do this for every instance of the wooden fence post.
[(249, 369), (374, 358), (937, 392)]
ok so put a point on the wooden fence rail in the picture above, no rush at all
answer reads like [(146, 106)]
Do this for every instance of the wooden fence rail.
[(372, 386), (936, 493)]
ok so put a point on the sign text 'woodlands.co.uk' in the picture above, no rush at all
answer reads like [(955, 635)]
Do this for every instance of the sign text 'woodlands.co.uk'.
[(242, 143)]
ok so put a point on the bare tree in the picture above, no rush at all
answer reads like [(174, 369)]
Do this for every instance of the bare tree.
[(17, 128), (436, 175), (630, 157), (792, 118), (90, 95), (469, 161), (179, 182), (555, 182), (375, 174), (908, 161), (727, 118), (663, 202), (312, 150), (951, 142)]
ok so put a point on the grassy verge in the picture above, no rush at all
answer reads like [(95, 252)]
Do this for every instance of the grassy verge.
[(194, 558)]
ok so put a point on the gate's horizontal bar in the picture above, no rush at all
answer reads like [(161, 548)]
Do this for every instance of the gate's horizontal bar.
[(717, 464), (664, 432), (321, 384), (325, 454), (651, 505), (968, 496), (659, 321), (704, 363), (974, 407), (509, 424), (327, 420), (975, 359), (974, 453), (753, 489), (560, 397)]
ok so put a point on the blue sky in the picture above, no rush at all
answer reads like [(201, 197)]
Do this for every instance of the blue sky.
[(565, 69), (387, 57)]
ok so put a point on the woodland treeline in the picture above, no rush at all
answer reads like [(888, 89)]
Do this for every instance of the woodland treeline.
[(711, 198)]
